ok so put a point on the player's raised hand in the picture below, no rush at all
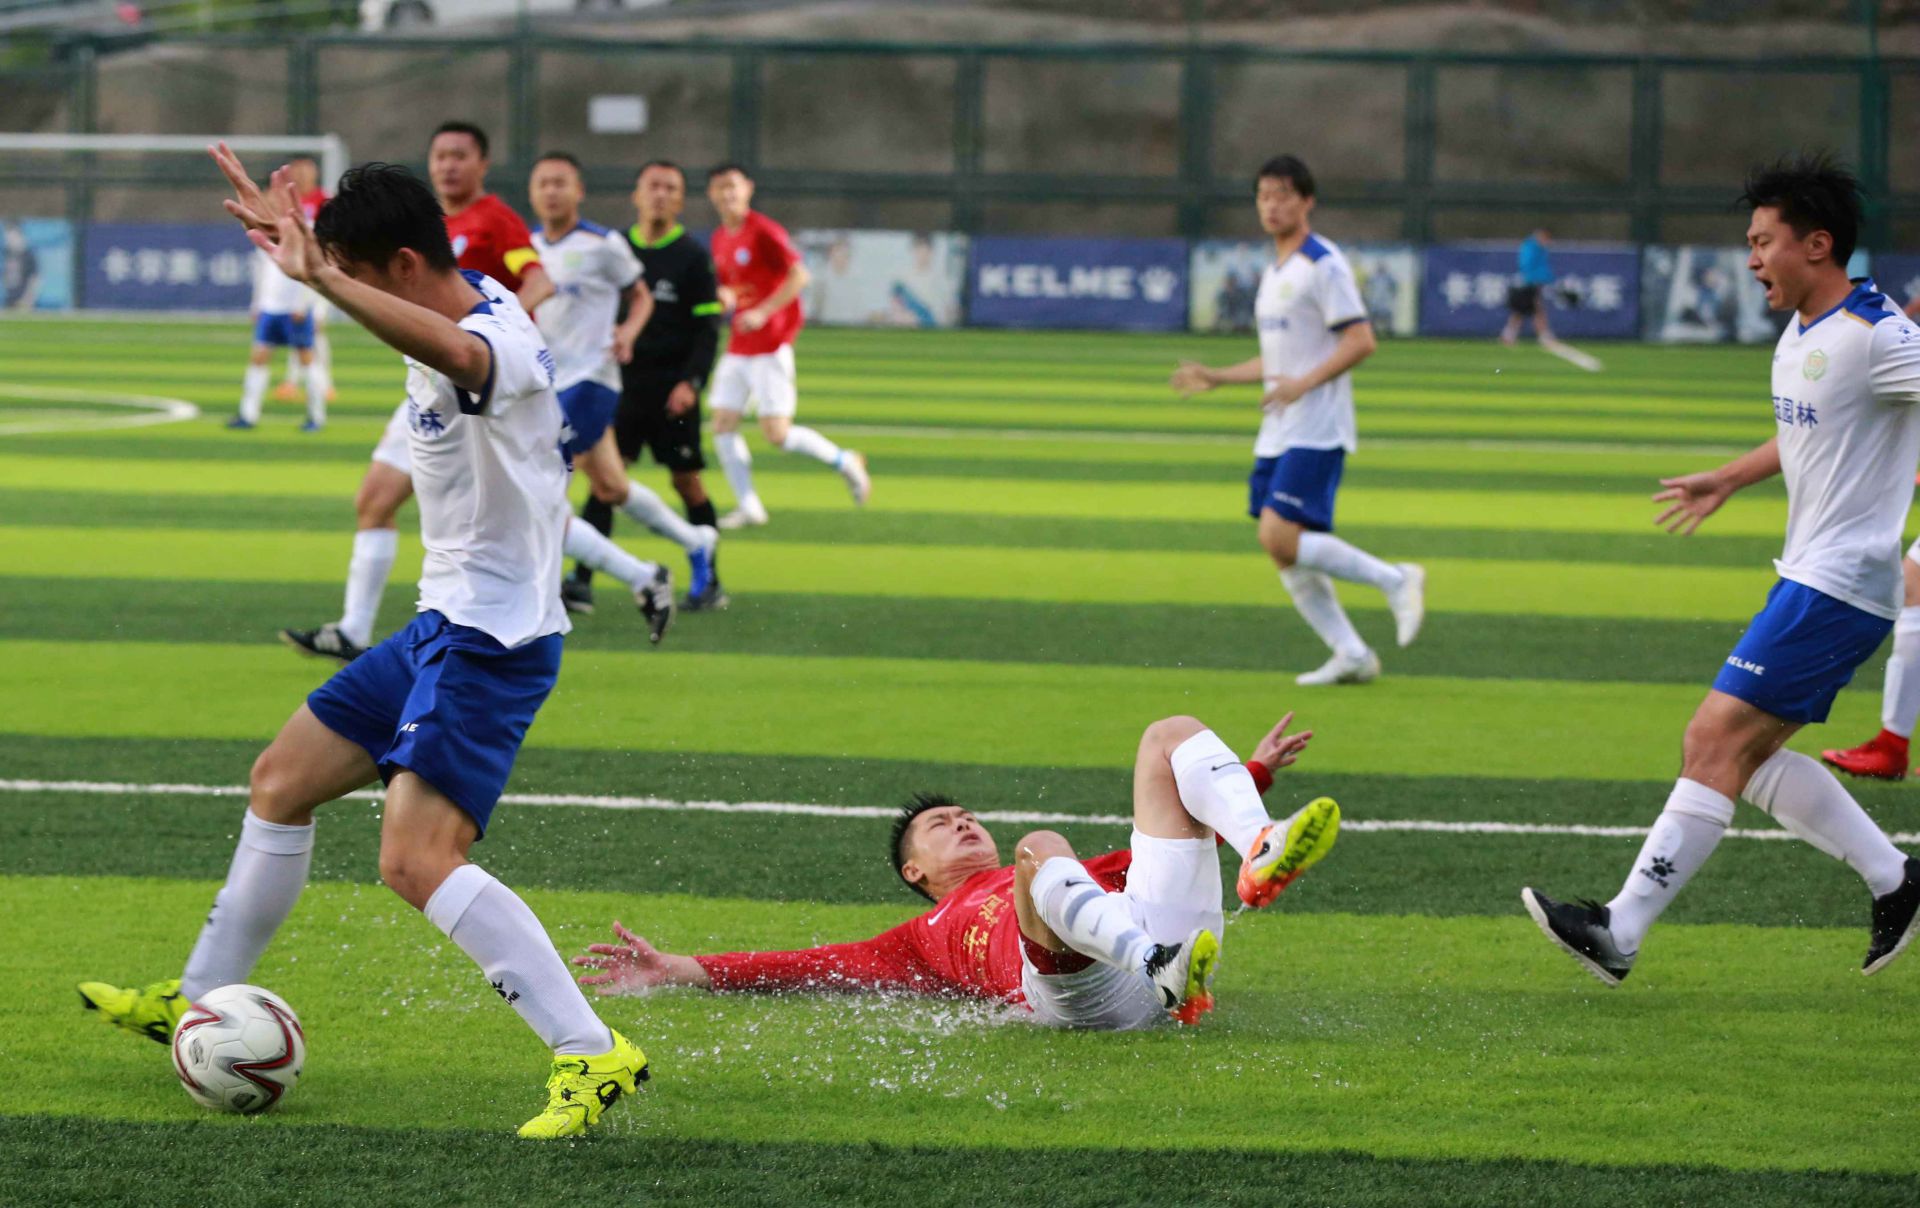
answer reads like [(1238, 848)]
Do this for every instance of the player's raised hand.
[(632, 966), (1691, 499), (289, 241), (254, 209), (1191, 378), (1279, 748)]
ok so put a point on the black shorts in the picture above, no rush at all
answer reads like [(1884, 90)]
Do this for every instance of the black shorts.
[(642, 421), (1523, 299)]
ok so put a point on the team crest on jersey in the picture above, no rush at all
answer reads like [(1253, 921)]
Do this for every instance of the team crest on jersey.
[(741, 255), (459, 246), (1815, 367)]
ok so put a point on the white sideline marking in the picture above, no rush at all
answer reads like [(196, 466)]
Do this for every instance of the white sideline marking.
[(148, 409), (108, 788), (1143, 436)]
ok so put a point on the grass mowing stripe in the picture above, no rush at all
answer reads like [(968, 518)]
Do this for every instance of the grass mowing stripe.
[(901, 708), (1247, 638), (1524, 1061), (67, 1161), (952, 572)]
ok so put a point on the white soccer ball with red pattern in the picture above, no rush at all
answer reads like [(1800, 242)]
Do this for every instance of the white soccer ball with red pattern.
[(239, 1049)]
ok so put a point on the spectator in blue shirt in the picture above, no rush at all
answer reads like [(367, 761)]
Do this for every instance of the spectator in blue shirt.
[(1524, 299)]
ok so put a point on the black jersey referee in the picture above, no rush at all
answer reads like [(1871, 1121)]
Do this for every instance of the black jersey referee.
[(660, 387)]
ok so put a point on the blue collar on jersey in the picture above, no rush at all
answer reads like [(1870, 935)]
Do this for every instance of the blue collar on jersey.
[(474, 278), (1863, 302), (579, 224)]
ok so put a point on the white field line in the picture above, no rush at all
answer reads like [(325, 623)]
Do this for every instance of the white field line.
[(147, 409), (1139, 436), (106, 788)]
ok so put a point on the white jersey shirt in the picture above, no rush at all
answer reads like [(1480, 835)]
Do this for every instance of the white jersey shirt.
[(1303, 304), (491, 480), (1844, 389), (275, 293), (591, 268)]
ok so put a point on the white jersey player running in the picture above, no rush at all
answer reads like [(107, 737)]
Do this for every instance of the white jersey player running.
[(1313, 331), (593, 270), (1846, 379)]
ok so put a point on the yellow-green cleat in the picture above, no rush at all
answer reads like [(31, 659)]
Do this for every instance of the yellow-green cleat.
[(153, 1012), (581, 1088)]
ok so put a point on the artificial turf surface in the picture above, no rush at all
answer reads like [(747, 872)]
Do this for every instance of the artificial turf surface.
[(1055, 555)]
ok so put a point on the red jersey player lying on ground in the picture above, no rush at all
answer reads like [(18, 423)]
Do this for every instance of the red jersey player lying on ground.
[(1124, 940)]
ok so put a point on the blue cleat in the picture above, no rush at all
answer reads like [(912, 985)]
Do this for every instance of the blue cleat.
[(701, 560), (313, 425), (240, 423)]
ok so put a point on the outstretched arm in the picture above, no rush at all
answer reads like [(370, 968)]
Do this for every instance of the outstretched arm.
[(1193, 378), (1694, 497), (634, 966)]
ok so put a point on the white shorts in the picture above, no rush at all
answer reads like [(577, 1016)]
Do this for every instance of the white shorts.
[(392, 449), (766, 382), (1173, 888)]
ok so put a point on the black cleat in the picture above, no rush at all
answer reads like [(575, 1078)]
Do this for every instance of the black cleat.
[(1896, 917), (324, 642), (577, 596), (655, 600), (710, 600), (1580, 928)]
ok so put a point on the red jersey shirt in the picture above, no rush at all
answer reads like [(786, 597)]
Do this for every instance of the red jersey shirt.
[(753, 262), (311, 202), (488, 237), (967, 946)]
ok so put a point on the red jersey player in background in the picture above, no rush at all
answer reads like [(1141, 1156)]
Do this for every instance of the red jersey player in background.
[(488, 237), (763, 273), (1124, 940), (312, 194)]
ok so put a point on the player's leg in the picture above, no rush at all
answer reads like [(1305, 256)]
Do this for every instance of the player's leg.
[(318, 382), (777, 388), (253, 385), (1353, 661), (467, 715), (1885, 756), (607, 477), (387, 484), (1301, 492), (674, 441), (651, 583), (730, 395)]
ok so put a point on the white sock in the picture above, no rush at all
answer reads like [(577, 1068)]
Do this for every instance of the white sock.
[(1092, 921), (373, 554), (814, 445), (1806, 799), (296, 372), (1326, 552), (592, 549), (1312, 593), (493, 926), (317, 383), (264, 881), (253, 392), (737, 463), (1218, 790), (649, 509), (1900, 703), (1682, 838), (323, 352)]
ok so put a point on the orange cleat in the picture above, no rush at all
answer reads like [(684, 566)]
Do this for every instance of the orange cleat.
[(289, 392), (1286, 849), (1882, 757)]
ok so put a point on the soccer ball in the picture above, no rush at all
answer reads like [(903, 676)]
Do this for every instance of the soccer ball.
[(239, 1049)]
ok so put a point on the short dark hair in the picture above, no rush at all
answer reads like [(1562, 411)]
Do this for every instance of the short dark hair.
[(1812, 193), (1290, 168), (660, 163), (916, 805), (472, 131), (564, 157), (376, 210), (726, 166)]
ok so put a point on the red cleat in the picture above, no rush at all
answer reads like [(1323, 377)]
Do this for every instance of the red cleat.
[(1883, 757)]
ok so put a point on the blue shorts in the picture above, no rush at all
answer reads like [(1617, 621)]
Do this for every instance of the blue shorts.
[(1800, 650), (284, 331), (588, 408), (1299, 485), (445, 702)]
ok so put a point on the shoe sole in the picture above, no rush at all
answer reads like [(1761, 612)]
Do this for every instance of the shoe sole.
[(1307, 844), (1827, 758), (1546, 928), (716, 604), (310, 652), (1906, 937), (1198, 999)]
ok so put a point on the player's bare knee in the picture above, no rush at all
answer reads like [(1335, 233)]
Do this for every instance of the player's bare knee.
[(276, 792), (725, 421), (413, 871), (1169, 732), (607, 489), (1037, 847), (775, 428)]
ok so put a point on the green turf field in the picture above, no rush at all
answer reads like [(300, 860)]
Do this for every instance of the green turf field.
[(1056, 554)]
